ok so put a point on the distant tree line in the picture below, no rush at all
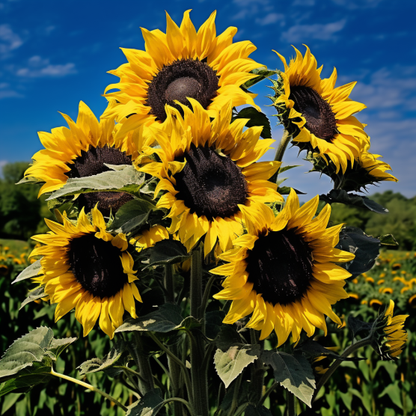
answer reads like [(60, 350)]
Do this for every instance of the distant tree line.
[(400, 221), (22, 213)]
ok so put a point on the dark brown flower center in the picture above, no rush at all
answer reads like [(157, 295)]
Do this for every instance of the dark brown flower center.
[(92, 163), (280, 267), (96, 264), (178, 81), (210, 184), (320, 120)]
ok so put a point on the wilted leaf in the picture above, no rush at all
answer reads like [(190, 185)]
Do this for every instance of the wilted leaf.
[(365, 248), (293, 372), (230, 364), (343, 197), (97, 364)]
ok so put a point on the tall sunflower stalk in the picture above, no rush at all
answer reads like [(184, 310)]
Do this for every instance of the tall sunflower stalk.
[(173, 238)]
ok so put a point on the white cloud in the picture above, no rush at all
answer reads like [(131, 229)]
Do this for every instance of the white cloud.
[(9, 94), (250, 8), (8, 39), (301, 33), (357, 4), (270, 18), (39, 67)]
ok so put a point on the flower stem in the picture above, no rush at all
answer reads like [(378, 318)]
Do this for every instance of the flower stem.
[(168, 283), (290, 404), (199, 376), (88, 387), (284, 141), (146, 380), (348, 351)]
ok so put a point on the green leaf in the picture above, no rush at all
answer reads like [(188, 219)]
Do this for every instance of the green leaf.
[(356, 326), (347, 399), (256, 118), (314, 349), (132, 216), (9, 401), (148, 405), (34, 294), (230, 364), (293, 372), (343, 197), (365, 248), (393, 391), (27, 379), (167, 252), (285, 168), (97, 364), (165, 319), (285, 190), (113, 180), (31, 271), (261, 75), (28, 360)]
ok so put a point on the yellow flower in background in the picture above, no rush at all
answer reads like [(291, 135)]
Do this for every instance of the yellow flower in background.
[(179, 64), (86, 268), (395, 333), (209, 170), (284, 271), (82, 150), (148, 238), (319, 116)]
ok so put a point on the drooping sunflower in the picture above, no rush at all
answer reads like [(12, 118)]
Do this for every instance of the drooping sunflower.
[(87, 268), (366, 170), (82, 150), (208, 170), (284, 271), (396, 335), (318, 115), (179, 64)]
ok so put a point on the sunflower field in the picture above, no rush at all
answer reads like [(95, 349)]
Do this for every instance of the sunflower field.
[(177, 275)]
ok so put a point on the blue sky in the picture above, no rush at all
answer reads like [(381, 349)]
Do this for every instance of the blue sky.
[(55, 53)]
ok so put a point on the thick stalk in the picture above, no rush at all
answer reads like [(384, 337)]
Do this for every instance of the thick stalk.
[(199, 376), (174, 369), (352, 348), (146, 379), (257, 371), (88, 387), (280, 151), (290, 404)]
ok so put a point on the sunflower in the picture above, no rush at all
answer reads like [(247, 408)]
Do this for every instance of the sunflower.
[(394, 332), (318, 115), (87, 268), (179, 64), (207, 170), (149, 237), (283, 271), (82, 150), (366, 170)]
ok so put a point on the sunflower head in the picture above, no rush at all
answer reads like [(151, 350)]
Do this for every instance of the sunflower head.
[(394, 332), (283, 271), (207, 170), (317, 115), (366, 170), (87, 268), (83, 150), (177, 65)]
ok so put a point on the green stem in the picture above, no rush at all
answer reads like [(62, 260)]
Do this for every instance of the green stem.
[(179, 400), (178, 361), (267, 394), (88, 387), (280, 151), (207, 293), (168, 283), (257, 371), (146, 379), (348, 351), (290, 404), (199, 376)]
